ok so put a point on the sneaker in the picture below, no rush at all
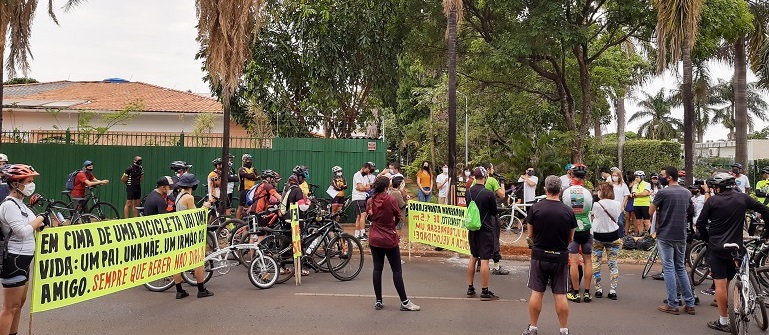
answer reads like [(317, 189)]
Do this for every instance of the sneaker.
[(364, 238), (529, 331), (708, 291), (667, 309), (564, 332), (410, 306), (689, 310), (488, 296), (204, 294), (599, 294), (182, 294), (613, 296), (471, 292), (573, 297), (378, 305), (658, 276), (696, 300), (587, 297), (500, 271), (718, 326)]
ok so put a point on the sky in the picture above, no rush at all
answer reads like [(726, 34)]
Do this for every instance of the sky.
[(154, 42)]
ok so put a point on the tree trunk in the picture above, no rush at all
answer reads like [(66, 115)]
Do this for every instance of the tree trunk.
[(597, 129), (688, 111), (225, 153), (452, 69), (620, 108), (740, 103), (587, 104)]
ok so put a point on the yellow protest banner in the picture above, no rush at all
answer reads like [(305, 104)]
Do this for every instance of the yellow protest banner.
[(82, 262), (438, 225), (296, 236)]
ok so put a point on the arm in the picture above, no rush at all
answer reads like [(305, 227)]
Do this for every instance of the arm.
[(652, 209), (189, 201), (571, 235), (500, 192), (274, 193), (96, 182), (528, 181), (396, 210)]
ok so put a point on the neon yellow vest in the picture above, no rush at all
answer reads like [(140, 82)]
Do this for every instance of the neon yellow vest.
[(641, 201)]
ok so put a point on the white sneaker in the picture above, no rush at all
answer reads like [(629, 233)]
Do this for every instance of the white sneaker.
[(409, 306)]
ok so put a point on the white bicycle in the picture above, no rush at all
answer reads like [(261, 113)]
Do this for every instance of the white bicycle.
[(512, 225)]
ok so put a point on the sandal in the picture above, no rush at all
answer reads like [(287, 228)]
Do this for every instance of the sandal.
[(284, 271), (305, 272)]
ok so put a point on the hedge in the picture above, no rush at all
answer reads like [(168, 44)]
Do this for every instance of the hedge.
[(645, 155)]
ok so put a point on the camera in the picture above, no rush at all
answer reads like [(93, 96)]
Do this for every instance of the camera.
[(699, 182), (500, 178)]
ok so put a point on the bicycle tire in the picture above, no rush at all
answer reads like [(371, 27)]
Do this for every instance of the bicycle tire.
[(346, 255), (650, 260), (511, 229), (105, 211), (761, 319), (160, 285), (189, 275), (238, 233), (692, 250), (762, 279), (737, 321), (263, 272), (86, 218), (272, 245), (700, 269)]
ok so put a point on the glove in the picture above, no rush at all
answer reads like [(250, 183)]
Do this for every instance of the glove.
[(46, 220)]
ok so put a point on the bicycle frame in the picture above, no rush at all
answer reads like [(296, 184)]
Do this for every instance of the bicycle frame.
[(308, 240), (220, 258), (749, 295)]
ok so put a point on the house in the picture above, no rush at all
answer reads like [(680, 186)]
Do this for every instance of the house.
[(757, 149), (48, 108)]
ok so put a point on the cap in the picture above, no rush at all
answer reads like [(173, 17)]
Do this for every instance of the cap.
[(187, 180), (480, 172), (165, 181), (86, 163)]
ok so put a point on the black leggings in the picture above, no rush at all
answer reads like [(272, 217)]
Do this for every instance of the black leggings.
[(394, 257)]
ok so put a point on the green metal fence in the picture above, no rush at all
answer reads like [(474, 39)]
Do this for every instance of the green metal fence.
[(56, 161)]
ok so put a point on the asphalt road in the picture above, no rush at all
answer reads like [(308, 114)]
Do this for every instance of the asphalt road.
[(323, 305)]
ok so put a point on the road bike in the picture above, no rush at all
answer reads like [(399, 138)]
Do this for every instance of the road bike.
[(512, 223)]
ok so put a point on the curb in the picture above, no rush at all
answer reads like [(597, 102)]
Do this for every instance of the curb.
[(512, 257)]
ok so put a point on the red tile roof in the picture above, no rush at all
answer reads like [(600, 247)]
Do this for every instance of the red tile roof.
[(107, 96)]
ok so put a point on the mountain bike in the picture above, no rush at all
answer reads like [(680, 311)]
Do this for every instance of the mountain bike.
[(91, 204), (744, 293), (60, 213)]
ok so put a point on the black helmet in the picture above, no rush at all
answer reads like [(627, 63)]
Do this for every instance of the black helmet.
[(722, 180), (579, 170), (216, 161), (300, 170), (737, 165), (269, 174), (179, 165), (765, 169)]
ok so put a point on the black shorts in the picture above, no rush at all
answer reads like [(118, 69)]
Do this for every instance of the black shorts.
[(242, 199), (338, 200), (134, 192), (542, 272), (481, 244), (721, 265), (15, 270), (229, 199), (642, 212), (581, 239), (360, 207)]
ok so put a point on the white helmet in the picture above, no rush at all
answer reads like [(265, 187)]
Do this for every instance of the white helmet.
[(336, 169), (3, 158), (641, 174)]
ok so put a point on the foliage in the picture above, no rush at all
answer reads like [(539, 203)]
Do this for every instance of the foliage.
[(759, 135), (707, 166), (661, 125), (93, 126), (724, 95), (20, 80), (646, 155)]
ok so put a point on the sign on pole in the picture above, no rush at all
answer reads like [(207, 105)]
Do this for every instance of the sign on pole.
[(296, 242)]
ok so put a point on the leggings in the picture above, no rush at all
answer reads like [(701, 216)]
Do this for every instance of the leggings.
[(394, 257)]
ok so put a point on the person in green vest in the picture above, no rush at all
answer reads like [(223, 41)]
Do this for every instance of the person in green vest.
[(762, 187), (640, 191)]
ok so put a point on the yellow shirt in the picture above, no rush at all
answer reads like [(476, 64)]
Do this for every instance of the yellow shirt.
[(247, 183), (424, 178), (305, 188)]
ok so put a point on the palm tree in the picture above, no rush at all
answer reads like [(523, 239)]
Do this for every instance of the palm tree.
[(725, 93), (677, 25), (227, 29), (453, 11), (660, 126), (16, 28), (704, 99)]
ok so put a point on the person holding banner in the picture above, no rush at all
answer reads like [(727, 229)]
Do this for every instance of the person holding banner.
[(185, 201), (18, 224), (384, 214)]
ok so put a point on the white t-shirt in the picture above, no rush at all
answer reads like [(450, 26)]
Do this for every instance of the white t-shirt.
[(565, 181), (443, 192), (698, 202), (620, 192), (359, 178), (529, 192), (742, 182), (601, 222), (22, 241)]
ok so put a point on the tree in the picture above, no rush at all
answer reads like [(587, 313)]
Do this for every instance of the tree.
[(704, 99), (677, 25), (660, 126), (453, 11), (724, 93), (226, 30)]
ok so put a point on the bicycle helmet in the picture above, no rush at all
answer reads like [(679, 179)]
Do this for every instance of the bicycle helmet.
[(579, 170), (3, 158), (247, 157), (293, 179), (299, 170), (179, 165), (737, 165), (33, 200), (765, 170), (569, 166), (19, 172), (338, 168), (640, 173), (722, 180), (269, 174), (216, 162), (372, 164)]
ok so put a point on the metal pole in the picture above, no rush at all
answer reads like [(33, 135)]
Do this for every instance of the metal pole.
[(467, 148)]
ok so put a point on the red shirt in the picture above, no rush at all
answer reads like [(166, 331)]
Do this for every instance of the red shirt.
[(384, 214), (79, 190)]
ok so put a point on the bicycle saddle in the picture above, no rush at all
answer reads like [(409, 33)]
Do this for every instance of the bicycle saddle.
[(731, 246)]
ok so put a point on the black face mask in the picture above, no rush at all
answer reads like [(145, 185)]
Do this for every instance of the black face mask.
[(139, 162), (89, 170), (426, 168), (247, 164), (736, 171)]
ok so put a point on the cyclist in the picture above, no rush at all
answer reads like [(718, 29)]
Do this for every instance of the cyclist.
[(4, 190), (304, 185), (580, 200), (361, 187), (83, 179), (3, 160), (180, 168), (721, 221), (215, 179), (743, 183), (248, 178), (339, 184), (184, 201), (566, 179), (640, 192), (133, 178), (18, 224), (265, 193), (762, 186), (493, 185), (292, 193), (230, 180)]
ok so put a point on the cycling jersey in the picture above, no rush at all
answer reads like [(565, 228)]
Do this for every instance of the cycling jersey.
[(134, 174), (642, 201), (580, 200), (339, 184), (723, 217), (762, 188), (247, 178)]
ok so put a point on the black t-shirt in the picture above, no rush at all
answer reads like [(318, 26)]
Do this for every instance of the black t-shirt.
[(726, 215), (486, 202), (294, 195), (134, 173), (155, 203), (552, 221)]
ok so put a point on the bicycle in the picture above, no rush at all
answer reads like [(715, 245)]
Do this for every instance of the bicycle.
[(744, 293), (57, 209), (651, 259), (512, 225), (103, 210)]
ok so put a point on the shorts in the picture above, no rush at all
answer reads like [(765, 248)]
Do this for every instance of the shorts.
[(642, 212), (584, 240), (721, 265), (360, 207), (338, 200), (15, 270), (481, 244), (229, 199), (134, 192), (242, 199), (543, 272)]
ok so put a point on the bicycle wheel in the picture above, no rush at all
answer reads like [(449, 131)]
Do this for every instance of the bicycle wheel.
[(105, 211), (692, 251), (511, 229), (344, 257), (160, 285), (762, 279), (737, 320), (700, 269), (650, 261), (758, 315), (86, 218), (263, 272), (189, 275), (239, 233)]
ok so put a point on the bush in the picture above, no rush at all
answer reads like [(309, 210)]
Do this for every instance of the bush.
[(645, 155)]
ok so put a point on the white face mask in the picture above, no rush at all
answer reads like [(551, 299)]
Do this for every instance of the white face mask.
[(339, 173), (467, 173), (169, 191), (445, 170), (28, 190), (615, 178)]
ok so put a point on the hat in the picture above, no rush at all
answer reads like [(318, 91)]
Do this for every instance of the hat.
[(614, 169), (165, 181), (480, 172), (187, 180), (87, 163)]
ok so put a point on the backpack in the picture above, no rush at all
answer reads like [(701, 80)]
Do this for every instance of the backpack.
[(284, 202), (646, 243), (3, 237), (70, 184), (629, 243), (251, 195), (473, 220)]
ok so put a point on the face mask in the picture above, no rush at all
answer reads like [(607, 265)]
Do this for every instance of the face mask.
[(229, 164), (339, 174), (695, 193), (248, 164), (426, 167), (445, 170), (28, 190), (467, 173), (663, 181), (139, 162), (363, 173), (736, 171), (90, 169), (530, 173), (615, 179)]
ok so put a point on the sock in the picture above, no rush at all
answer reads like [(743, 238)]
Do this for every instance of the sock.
[(356, 233), (587, 291), (179, 288), (201, 287), (724, 320), (575, 291), (565, 330), (532, 327), (496, 265), (612, 292)]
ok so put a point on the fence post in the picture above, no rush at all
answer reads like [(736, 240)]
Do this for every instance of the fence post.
[(67, 137), (181, 139)]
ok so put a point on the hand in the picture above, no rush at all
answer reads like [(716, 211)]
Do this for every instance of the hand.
[(207, 204), (105, 181)]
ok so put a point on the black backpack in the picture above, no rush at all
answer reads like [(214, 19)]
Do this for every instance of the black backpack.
[(646, 243), (628, 243)]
